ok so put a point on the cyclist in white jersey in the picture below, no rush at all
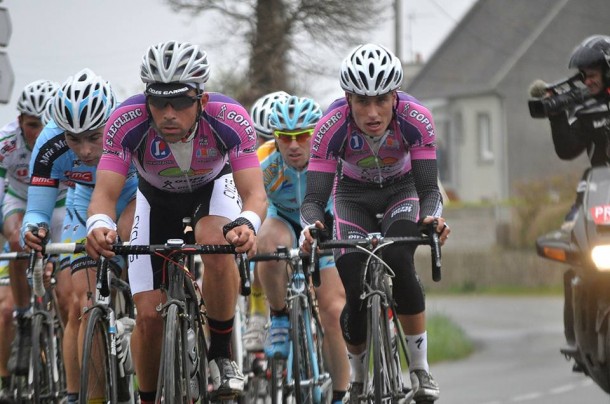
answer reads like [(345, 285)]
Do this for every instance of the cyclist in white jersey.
[(181, 138), (16, 142)]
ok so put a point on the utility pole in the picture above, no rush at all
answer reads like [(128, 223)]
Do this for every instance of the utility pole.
[(398, 29)]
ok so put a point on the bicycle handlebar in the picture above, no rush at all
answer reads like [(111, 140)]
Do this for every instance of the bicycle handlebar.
[(287, 254), (178, 246), (429, 237)]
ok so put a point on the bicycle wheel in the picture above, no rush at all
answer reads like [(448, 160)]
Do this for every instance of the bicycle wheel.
[(301, 360), (98, 371), (277, 386), (172, 373), (59, 371), (42, 361)]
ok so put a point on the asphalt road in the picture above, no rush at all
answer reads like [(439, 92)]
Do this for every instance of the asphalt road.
[(517, 358)]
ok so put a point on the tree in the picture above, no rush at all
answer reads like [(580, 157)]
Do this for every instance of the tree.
[(276, 31)]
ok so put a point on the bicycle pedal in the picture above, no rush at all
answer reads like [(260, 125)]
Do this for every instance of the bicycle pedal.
[(223, 395)]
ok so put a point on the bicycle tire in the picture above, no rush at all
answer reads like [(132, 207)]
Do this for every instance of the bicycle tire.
[(277, 389), (42, 384), (58, 338), (302, 371), (172, 387), (98, 362)]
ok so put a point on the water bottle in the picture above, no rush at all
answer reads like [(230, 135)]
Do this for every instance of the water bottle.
[(193, 362)]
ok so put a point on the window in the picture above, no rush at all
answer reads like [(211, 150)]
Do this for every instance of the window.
[(486, 154)]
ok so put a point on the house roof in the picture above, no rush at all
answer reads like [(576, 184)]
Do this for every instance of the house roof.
[(483, 47)]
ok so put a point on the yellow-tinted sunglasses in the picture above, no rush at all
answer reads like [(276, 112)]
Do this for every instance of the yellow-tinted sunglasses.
[(287, 137)]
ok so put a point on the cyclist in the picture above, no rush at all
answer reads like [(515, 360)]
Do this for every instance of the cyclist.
[(180, 139), (586, 127), (16, 142), (69, 150), (380, 144), (254, 334), (284, 164)]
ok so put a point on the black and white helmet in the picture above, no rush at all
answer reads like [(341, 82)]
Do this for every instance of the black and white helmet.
[(261, 111), (371, 70), (175, 62), (84, 102), (35, 97)]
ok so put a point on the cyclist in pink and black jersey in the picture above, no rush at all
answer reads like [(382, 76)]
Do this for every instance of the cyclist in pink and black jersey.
[(377, 147), (195, 153)]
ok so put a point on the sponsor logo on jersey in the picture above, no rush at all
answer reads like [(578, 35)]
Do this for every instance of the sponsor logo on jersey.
[(79, 176), (119, 122), (159, 149), (43, 182), (356, 142)]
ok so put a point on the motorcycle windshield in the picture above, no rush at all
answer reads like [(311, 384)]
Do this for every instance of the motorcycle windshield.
[(597, 199)]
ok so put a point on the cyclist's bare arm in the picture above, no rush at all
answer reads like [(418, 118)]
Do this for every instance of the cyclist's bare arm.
[(249, 184), (108, 187)]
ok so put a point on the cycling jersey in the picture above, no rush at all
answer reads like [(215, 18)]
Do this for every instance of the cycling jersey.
[(285, 188), (14, 161), (224, 133), (285, 185), (338, 143), (52, 164)]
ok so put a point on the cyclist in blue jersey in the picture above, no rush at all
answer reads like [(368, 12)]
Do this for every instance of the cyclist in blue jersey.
[(69, 150), (16, 141), (254, 334), (284, 163)]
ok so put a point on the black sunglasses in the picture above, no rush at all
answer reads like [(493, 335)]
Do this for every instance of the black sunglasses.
[(177, 103)]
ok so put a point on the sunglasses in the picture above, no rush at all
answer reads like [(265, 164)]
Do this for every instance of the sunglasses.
[(177, 103), (300, 136)]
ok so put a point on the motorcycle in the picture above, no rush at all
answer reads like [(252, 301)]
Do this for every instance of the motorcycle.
[(586, 249)]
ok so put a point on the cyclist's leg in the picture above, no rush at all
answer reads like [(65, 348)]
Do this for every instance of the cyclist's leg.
[(275, 232), (7, 329), (151, 225), (331, 300), (400, 220), (218, 204), (13, 210)]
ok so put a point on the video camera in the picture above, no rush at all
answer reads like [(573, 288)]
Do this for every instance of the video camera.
[(551, 99)]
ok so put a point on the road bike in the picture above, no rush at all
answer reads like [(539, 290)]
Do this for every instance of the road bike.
[(45, 381), (106, 371), (183, 373), (302, 377), (385, 340)]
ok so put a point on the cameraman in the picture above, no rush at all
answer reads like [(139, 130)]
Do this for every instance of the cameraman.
[(586, 127)]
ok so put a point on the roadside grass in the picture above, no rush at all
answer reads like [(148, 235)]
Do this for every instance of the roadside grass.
[(447, 341)]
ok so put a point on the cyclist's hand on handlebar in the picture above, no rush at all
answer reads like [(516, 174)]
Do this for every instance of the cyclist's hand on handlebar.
[(34, 237), (100, 241), (243, 238), (306, 239), (442, 228)]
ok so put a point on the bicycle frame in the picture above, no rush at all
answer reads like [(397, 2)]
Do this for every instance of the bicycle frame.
[(300, 299), (385, 382)]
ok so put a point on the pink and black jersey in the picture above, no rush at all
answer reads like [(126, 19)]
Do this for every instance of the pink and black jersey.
[(224, 133), (409, 137)]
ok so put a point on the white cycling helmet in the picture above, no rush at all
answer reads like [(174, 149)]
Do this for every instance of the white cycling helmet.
[(371, 70), (295, 113), (84, 102), (261, 111), (35, 96), (174, 63)]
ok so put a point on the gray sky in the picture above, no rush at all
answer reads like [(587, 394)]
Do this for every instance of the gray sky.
[(55, 39)]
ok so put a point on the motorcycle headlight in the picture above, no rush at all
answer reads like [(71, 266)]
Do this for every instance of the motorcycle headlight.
[(601, 257)]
